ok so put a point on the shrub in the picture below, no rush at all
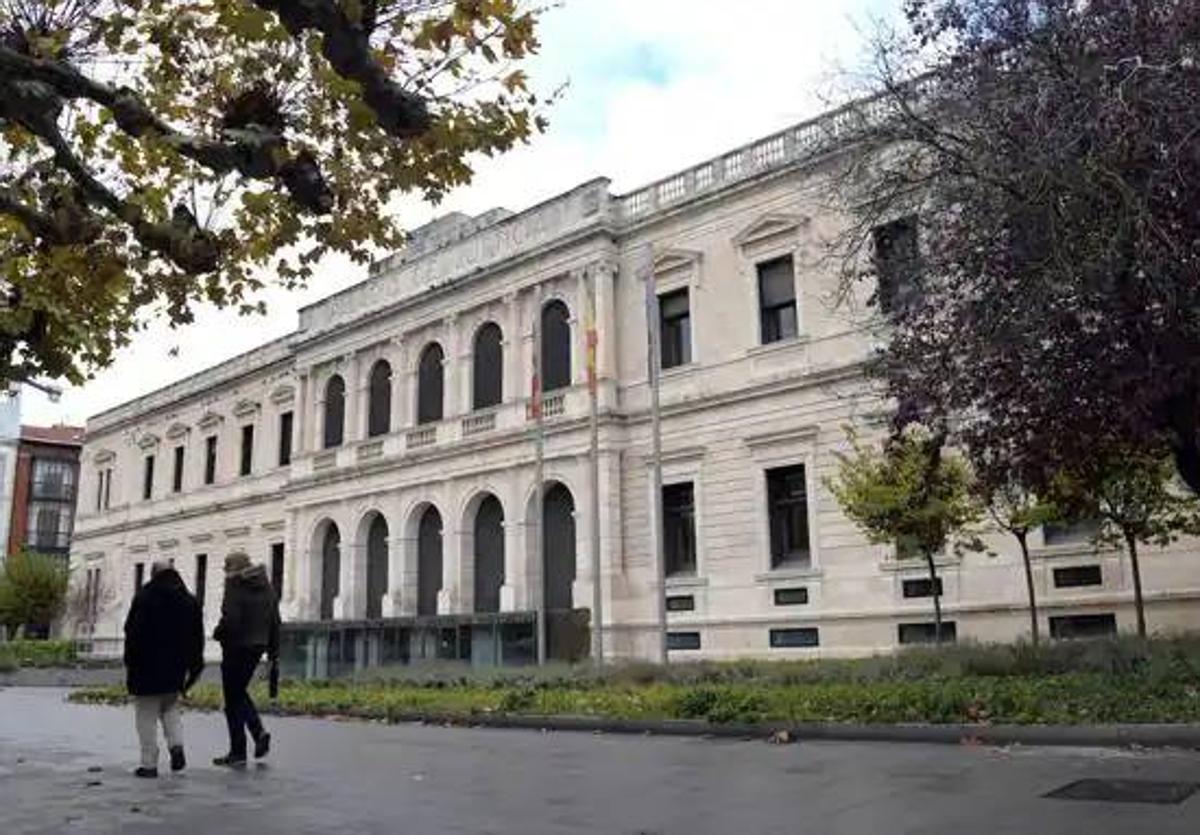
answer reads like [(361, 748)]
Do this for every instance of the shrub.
[(38, 653)]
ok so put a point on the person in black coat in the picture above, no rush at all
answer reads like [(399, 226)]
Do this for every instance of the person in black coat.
[(249, 627), (164, 655)]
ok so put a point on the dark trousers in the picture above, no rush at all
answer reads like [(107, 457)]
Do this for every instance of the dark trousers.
[(237, 668)]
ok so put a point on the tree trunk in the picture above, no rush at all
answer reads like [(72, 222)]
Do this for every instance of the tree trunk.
[(1138, 604), (1022, 538), (937, 598)]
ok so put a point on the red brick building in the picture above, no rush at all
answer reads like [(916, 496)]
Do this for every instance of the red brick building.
[(45, 488)]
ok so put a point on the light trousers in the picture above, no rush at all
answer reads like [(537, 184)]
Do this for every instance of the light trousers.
[(149, 711)]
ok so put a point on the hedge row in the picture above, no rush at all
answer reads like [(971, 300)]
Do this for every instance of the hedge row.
[(14, 654)]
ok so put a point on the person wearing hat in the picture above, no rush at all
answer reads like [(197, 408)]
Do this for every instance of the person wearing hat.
[(249, 627), (164, 655)]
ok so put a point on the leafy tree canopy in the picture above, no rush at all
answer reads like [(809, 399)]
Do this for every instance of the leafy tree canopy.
[(1051, 156), (33, 589), (158, 154)]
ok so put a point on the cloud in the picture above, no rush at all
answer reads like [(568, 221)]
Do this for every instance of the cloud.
[(653, 86)]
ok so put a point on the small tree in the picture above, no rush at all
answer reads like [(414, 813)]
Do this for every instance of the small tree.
[(910, 494), (1018, 511), (1131, 494), (33, 590)]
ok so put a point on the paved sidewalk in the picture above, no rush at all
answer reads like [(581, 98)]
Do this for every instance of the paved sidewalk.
[(352, 777)]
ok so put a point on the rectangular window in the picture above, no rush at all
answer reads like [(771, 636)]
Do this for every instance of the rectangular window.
[(897, 264), (148, 478), (108, 474), (787, 507), (247, 464), (675, 328), (683, 640), (94, 600), (201, 578), (1077, 575), (791, 597), (210, 459), (139, 575), (681, 603), (922, 587), (100, 490), (926, 633), (277, 568), (679, 528), (1065, 627), (1067, 533), (53, 479), (177, 474), (804, 636), (777, 300), (285, 439)]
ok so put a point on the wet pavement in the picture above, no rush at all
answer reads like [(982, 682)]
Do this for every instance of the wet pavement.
[(66, 768)]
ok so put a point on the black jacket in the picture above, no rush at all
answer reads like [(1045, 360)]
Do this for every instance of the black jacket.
[(249, 613), (164, 636)]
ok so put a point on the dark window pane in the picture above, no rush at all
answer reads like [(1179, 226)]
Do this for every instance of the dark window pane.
[(210, 459), (926, 633), (675, 328), (247, 462), (177, 476), (1077, 575), (683, 640), (100, 490), (681, 603), (108, 487), (335, 412), (787, 498), (559, 527), (379, 400), (331, 570), (777, 299), (679, 528), (139, 575), (1065, 533), (804, 636), (285, 439), (429, 561), (487, 378), (556, 346), (201, 578), (897, 264), (148, 478), (489, 555), (377, 566), (791, 597), (922, 587), (1083, 626), (277, 568), (430, 384)]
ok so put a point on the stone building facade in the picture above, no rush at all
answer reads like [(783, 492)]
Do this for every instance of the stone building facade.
[(381, 460)]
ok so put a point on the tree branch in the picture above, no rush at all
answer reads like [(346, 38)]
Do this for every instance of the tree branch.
[(347, 47)]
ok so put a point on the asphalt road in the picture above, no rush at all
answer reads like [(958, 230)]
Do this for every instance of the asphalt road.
[(67, 768)]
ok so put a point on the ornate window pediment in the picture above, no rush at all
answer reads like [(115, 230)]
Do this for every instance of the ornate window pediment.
[(769, 227), (210, 420), (104, 456), (283, 394), (148, 441), (669, 261), (177, 431), (245, 408)]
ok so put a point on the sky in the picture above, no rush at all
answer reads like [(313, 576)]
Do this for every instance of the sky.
[(652, 86)]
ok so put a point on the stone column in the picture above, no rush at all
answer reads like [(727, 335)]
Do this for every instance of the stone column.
[(579, 290), (400, 391), (607, 328), (401, 599), (450, 597), (515, 378), (302, 418), (452, 405), (513, 596), (352, 580)]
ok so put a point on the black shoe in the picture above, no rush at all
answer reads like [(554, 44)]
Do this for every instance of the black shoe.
[(262, 746), (178, 761), (148, 773), (231, 760)]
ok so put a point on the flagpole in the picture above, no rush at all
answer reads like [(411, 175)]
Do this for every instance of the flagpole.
[(652, 369), (594, 429), (539, 467)]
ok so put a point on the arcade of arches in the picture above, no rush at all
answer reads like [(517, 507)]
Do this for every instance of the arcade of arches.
[(488, 569)]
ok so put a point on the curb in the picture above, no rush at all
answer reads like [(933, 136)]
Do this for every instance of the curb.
[(1088, 736), (1180, 736)]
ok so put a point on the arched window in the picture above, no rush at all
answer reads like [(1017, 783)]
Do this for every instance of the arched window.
[(489, 555), (377, 566), (488, 371), (335, 411), (430, 384), (379, 400), (429, 561), (331, 569), (558, 526), (556, 346)]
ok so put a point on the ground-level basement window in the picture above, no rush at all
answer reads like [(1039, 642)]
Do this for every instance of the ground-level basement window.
[(1083, 626), (804, 636), (926, 633), (683, 640)]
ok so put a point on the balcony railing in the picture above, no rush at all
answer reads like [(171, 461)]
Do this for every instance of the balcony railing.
[(423, 437), (478, 424)]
